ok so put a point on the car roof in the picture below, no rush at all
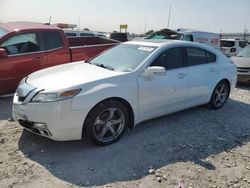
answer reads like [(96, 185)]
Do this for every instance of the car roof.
[(167, 42), (14, 26), (152, 42)]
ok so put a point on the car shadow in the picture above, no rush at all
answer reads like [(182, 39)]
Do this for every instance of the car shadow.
[(5, 108), (190, 135), (243, 86)]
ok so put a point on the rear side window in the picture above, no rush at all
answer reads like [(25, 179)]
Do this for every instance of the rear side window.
[(196, 56), (170, 59), (53, 40), (225, 43), (86, 35), (211, 58), (70, 34), (242, 44)]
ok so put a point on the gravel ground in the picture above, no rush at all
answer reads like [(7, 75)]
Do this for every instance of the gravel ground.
[(194, 148)]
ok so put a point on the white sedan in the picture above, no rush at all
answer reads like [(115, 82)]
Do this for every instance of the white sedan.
[(130, 83)]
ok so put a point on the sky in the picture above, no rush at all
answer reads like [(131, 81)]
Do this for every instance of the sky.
[(140, 15)]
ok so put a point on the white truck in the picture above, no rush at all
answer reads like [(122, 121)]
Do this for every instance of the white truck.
[(211, 39)]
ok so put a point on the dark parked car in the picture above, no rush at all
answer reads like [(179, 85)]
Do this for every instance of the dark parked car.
[(118, 36)]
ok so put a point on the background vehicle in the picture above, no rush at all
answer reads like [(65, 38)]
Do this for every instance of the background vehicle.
[(78, 33), (27, 47), (208, 38), (231, 47), (127, 84), (242, 61), (122, 37)]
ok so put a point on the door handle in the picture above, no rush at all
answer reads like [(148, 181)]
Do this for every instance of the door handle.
[(181, 75), (37, 59), (212, 70)]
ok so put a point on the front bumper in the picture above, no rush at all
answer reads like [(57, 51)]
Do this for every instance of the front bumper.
[(244, 78), (55, 120)]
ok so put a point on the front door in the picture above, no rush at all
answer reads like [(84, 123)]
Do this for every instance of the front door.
[(160, 94), (24, 57)]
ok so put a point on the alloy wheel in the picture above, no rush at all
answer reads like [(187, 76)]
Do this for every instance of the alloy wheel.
[(109, 124)]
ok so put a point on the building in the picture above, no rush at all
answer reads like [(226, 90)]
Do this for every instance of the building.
[(244, 36)]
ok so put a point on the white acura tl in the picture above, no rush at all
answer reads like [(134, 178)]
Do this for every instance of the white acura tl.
[(121, 87)]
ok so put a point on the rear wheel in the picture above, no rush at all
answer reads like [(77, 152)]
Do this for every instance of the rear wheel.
[(107, 122), (220, 95)]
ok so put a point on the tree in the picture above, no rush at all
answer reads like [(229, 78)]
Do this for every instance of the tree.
[(149, 32)]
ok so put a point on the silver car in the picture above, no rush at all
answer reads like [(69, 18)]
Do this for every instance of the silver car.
[(242, 61)]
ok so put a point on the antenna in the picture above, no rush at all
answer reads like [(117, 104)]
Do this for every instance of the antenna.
[(79, 22), (49, 20), (169, 15)]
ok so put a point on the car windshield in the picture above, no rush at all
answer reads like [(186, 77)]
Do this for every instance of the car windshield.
[(226, 43), (2, 32), (124, 57), (166, 34), (245, 52)]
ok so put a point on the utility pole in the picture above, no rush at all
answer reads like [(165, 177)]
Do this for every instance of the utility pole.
[(50, 20), (79, 23), (245, 29), (145, 26), (169, 14)]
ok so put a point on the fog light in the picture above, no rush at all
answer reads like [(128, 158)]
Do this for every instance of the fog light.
[(40, 125)]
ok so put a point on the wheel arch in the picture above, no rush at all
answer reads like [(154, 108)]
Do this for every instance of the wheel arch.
[(121, 100), (228, 82)]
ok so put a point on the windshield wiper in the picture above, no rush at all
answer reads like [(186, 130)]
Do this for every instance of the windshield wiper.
[(88, 61), (103, 66)]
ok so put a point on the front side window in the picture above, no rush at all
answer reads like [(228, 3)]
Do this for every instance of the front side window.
[(20, 44), (53, 40), (170, 59)]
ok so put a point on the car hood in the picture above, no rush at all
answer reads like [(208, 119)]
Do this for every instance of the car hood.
[(68, 75), (241, 61)]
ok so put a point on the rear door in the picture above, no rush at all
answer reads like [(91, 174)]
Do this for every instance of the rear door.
[(25, 56), (202, 75), (164, 93), (57, 50)]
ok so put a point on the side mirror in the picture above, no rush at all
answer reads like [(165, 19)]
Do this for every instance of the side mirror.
[(155, 70), (3, 53)]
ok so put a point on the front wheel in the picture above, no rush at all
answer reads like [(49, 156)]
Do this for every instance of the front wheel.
[(220, 95), (106, 122)]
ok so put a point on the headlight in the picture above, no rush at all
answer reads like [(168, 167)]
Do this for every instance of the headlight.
[(22, 81), (51, 97)]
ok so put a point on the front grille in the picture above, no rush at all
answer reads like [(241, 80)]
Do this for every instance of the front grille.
[(26, 123), (29, 125), (243, 69), (21, 99)]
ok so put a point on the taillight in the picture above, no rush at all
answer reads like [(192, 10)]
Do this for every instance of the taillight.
[(233, 50)]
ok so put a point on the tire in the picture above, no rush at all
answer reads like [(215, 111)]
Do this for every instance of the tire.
[(106, 122), (220, 95)]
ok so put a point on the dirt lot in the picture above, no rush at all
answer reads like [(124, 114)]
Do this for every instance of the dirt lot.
[(199, 147)]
